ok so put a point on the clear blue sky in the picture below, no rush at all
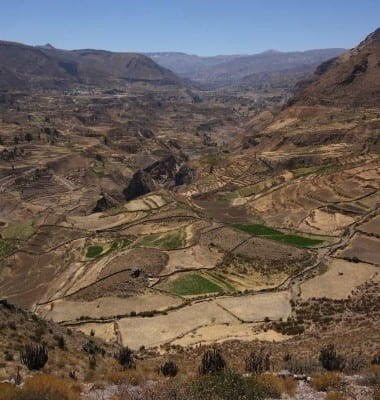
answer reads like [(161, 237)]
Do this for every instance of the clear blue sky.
[(204, 27)]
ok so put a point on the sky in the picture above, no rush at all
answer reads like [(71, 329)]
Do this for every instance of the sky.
[(203, 27)]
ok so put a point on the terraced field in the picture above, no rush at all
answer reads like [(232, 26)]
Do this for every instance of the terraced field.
[(213, 260)]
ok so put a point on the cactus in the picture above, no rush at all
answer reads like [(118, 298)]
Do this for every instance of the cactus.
[(212, 362), (125, 357)]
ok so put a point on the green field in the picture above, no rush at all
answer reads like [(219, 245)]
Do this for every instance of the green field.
[(21, 230), (274, 234), (94, 251), (193, 284), (304, 171)]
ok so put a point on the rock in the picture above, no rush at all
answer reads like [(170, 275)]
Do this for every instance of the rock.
[(104, 203), (163, 170), (184, 176), (141, 183)]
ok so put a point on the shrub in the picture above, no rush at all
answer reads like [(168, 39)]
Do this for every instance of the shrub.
[(212, 362), (330, 360), (169, 368), (376, 359), (92, 348), (48, 387), (326, 381), (258, 361), (34, 357), (60, 341), (125, 357)]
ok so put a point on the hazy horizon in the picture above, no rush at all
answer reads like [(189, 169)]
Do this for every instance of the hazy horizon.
[(192, 27)]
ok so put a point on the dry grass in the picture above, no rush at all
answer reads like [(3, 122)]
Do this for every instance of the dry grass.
[(335, 396), (275, 386), (48, 387), (9, 392), (325, 382)]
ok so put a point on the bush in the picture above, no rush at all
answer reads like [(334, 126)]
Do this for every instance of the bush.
[(326, 381), (212, 362), (34, 357), (48, 387), (330, 360), (125, 357), (169, 368), (92, 348)]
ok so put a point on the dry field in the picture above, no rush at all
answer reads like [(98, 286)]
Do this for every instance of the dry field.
[(340, 279), (363, 247)]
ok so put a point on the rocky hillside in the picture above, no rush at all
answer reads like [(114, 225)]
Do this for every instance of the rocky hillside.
[(353, 79), (27, 67)]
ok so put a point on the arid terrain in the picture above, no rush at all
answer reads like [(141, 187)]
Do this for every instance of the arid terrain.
[(152, 213)]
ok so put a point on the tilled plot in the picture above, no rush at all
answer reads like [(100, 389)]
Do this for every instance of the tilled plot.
[(162, 329), (275, 255), (363, 248), (254, 308), (225, 238), (372, 226), (50, 237), (340, 279), (123, 284), (150, 261), (107, 307)]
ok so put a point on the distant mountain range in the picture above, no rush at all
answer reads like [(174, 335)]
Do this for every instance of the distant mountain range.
[(235, 68), (44, 67)]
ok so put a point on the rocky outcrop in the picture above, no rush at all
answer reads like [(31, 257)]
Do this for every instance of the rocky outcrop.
[(163, 170), (184, 176), (104, 203), (141, 183)]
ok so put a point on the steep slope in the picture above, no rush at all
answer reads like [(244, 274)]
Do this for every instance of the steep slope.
[(353, 79), (339, 104), (27, 67), (99, 66)]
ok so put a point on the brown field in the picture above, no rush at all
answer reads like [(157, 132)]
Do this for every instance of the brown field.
[(365, 248), (107, 307), (372, 226), (162, 329), (340, 279), (258, 307)]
